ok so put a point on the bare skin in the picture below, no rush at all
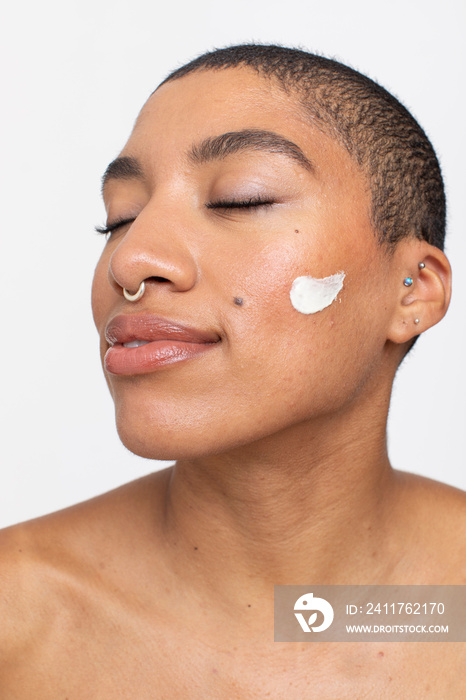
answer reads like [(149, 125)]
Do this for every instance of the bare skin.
[(163, 588)]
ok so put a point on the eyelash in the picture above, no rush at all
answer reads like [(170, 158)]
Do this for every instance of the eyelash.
[(250, 203), (106, 230)]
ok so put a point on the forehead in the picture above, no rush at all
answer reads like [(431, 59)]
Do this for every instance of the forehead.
[(231, 94), (208, 103)]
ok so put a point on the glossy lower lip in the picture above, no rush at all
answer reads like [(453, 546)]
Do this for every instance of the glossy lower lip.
[(152, 356)]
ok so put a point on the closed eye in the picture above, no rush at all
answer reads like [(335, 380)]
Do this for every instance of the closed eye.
[(250, 203), (107, 230), (225, 205)]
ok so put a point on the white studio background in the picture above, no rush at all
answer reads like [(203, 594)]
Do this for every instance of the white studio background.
[(75, 74)]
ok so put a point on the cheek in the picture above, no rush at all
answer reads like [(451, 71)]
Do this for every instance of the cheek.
[(302, 334), (279, 291), (100, 293), (265, 276), (277, 333)]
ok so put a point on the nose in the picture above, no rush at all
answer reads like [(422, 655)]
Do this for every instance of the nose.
[(152, 251)]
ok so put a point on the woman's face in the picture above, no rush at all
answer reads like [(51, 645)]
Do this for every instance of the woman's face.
[(216, 261)]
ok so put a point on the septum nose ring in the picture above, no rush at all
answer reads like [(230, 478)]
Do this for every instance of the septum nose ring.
[(137, 295)]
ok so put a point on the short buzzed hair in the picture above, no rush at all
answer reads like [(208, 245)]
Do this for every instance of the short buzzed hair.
[(408, 198)]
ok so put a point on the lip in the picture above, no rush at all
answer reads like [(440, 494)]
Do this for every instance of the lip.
[(167, 342)]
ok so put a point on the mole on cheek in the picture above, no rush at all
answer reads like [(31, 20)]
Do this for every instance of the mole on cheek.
[(238, 301)]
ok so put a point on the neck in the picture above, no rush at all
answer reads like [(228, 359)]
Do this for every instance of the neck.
[(308, 505)]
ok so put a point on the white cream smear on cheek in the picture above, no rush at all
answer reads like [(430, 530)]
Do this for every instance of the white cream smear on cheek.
[(309, 295)]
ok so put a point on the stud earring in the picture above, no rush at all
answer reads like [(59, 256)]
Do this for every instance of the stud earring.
[(416, 321), (408, 281), (421, 265)]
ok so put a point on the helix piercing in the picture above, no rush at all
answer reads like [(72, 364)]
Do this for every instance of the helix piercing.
[(137, 295), (408, 281)]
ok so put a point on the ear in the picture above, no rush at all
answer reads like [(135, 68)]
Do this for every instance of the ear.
[(425, 302)]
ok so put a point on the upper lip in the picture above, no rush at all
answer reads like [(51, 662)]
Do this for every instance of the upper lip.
[(128, 327)]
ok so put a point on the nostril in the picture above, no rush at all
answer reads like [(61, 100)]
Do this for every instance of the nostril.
[(158, 279)]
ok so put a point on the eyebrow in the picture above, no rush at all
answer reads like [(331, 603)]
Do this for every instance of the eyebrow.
[(122, 168), (216, 148)]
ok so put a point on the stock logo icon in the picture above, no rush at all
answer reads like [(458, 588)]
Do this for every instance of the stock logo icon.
[(312, 605)]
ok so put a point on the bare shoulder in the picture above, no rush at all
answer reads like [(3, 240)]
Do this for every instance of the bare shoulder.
[(20, 592), (434, 516), (58, 564)]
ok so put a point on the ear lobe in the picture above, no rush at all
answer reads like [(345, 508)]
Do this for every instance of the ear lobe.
[(423, 303)]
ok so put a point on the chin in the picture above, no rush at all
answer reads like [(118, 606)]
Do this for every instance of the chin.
[(154, 441), (168, 435)]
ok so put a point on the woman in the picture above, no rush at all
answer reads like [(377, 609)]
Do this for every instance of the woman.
[(275, 232)]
